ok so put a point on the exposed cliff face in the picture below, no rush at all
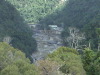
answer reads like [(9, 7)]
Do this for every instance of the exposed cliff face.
[(47, 42)]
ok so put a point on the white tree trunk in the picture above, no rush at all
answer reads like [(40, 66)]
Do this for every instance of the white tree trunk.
[(75, 37)]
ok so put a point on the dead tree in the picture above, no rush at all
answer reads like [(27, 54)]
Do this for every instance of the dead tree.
[(74, 37)]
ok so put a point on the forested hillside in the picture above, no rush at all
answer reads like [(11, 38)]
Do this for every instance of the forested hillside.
[(80, 22), (14, 62), (81, 14), (34, 10), (13, 30)]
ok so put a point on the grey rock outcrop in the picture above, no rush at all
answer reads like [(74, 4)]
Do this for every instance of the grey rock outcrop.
[(47, 41)]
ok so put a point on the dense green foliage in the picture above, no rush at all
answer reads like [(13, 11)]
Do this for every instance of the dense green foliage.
[(14, 62), (91, 61), (34, 10), (76, 13), (83, 14), (12, 25), (69, 59)]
